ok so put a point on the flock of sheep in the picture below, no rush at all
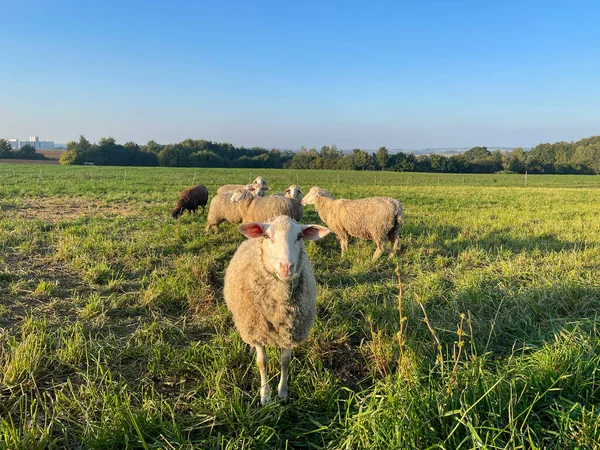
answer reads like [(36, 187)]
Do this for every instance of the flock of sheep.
[(270, 286)]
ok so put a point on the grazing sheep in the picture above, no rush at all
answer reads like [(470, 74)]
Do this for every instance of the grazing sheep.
[(222, 210), (259, 184), (375, 218), (190, 199), (260, 209), (295, 194), (271, 291)]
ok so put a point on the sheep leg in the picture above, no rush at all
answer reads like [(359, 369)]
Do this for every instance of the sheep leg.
[(212, 225), (379, 250), (286, 357), (396, 246), (344, 244), (261, 361)]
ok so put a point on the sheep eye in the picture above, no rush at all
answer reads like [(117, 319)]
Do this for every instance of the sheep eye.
[(300, 236)]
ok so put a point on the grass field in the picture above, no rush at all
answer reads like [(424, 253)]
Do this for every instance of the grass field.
[(114, 333)]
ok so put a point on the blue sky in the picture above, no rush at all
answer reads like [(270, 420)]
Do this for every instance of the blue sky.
[(283, 74)]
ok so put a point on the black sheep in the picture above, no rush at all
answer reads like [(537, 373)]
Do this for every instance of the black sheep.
[(190, 199)]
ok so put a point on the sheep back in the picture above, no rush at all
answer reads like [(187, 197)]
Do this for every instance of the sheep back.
[(266, 310), (367, 218), (262, 209), (223, 210), (230, 188)]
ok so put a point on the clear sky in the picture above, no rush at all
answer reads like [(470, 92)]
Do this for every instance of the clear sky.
[(285, 74)]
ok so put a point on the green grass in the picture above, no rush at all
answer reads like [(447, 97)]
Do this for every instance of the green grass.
[(114, 333)]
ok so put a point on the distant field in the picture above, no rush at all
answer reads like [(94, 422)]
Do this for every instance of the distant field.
[(29, 161), (52, 154), (114, 332)]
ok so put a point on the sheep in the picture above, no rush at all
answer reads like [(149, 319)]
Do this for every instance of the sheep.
[(222, 210), (295, 194), (271, 291), (190, 199), (375, 218), (258, 209), (259, 183), (241, 206)]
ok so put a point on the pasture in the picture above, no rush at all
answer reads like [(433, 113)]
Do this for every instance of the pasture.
[(483, 333)]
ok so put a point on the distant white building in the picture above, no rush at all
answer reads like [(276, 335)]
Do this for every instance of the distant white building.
[(34, 141)]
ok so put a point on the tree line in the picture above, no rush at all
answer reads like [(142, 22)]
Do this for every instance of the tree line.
[(25, 152), (581, 157)]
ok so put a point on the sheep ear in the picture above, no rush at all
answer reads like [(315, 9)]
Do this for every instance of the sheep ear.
[(253, 229), (287, 191), (314, 232), (300, 190)]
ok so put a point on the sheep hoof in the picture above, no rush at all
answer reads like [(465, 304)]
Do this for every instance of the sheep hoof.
[(265, 395), (282, 394)]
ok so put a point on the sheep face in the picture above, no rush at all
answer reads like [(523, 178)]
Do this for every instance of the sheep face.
[(259, 181), (293, 192), (177, 212), (282, 241), (313, 194), (260, 191)]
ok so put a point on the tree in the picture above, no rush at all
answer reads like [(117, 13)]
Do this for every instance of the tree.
[(330, 157), (304, 159), (79, 152), (206, 159), (5, 149), (476, 153), (360, 160), (458, 164), (382, 158), (439, 163), (153, 147), (171, 156), (403, 162), (27, 152), (423, 163), (514, 161)]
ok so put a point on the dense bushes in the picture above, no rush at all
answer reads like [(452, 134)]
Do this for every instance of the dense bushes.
[(562, 157)]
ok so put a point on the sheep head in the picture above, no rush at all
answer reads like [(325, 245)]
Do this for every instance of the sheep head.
[(293, 192), (282, 241), (259, 182), (313, 194)]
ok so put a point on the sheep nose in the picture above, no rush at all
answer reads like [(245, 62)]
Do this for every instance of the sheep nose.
[(286, 268)]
